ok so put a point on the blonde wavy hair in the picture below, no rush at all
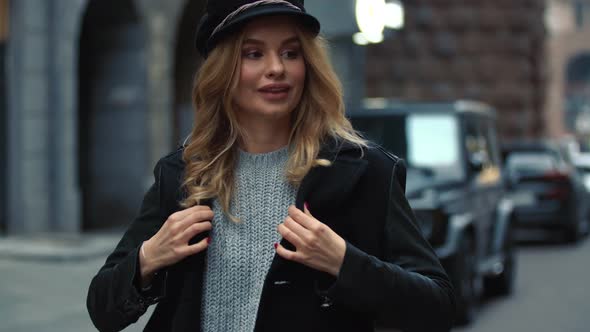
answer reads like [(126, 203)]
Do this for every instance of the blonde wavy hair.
[(212, 149)]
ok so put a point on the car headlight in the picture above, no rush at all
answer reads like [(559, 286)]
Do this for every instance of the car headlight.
[(587, 181)]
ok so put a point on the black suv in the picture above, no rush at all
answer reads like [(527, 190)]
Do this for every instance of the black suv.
[(455, 187)]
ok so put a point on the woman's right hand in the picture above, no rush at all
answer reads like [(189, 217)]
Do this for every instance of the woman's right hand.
[(171, 243)]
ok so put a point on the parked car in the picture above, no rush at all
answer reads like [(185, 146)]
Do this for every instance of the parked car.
[(579, 154), (582, 163), (455, 188), (547, 190)]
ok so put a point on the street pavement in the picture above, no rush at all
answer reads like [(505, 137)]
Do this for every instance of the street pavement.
[(551, 293), (47, 293)]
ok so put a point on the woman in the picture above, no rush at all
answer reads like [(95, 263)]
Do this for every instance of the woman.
[(276, 215)]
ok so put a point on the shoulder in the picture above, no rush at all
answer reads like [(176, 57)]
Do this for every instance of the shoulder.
[(173, 160), (381, 163), (169, 176), (374, 154), (170, 166), (379, 154)]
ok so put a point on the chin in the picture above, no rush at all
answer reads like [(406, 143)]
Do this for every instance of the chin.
[(273, 111)]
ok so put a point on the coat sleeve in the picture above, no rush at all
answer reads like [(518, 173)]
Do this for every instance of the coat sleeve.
[(114, 300), (408, 284)]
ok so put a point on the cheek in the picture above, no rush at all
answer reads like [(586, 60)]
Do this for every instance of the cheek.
[(248, 76), (299, 74), (299, 78)]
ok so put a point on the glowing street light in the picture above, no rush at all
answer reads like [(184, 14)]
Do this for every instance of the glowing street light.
[(394, 15), (373, 16), (370, 19)]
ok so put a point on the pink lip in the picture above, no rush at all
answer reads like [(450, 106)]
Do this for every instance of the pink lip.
[(274, 87), (275, 92)]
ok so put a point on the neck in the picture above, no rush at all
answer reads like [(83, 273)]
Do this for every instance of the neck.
[(265, 136)]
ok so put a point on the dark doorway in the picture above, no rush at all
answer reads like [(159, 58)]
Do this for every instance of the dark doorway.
[(3, 138), (112, 113), (187, 60)]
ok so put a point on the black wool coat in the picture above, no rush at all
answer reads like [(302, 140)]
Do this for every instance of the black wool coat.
[(389, 273)]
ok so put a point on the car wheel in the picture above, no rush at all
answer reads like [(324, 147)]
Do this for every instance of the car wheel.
[(466, 281), (503, 283)]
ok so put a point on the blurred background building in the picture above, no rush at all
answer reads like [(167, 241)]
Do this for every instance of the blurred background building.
[(567, 105), (94, 92), (489, 50)]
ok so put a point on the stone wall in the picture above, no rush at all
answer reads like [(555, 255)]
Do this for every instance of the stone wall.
[(490, 50), (3, 139), (42, 184)]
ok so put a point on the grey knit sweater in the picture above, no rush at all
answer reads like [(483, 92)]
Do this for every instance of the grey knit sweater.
[(240, 254)]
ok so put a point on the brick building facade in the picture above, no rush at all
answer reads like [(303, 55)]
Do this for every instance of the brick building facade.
[(491, 50)]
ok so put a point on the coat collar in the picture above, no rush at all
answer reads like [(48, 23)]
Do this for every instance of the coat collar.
[(322, 185), (327, 186), (324, 188)]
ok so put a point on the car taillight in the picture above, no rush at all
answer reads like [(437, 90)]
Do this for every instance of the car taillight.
[(555, 176), (560, 193)]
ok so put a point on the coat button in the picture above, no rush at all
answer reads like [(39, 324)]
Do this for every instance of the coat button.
[(326, 302)]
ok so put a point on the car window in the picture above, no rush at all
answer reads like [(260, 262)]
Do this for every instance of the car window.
[(429, 143), (481, 147), (491, 172), (492, 145), (473, 139), (432, 140)]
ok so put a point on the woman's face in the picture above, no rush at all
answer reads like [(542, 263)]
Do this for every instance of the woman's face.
[(272, 72)]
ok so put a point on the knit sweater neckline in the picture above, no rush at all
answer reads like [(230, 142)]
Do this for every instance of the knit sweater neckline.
[(276, 155)]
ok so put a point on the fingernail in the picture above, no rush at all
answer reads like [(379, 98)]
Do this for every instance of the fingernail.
[(276, 245), (208, 240), (306, 205)]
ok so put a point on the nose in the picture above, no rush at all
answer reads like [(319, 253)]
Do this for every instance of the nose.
[(275, 66)]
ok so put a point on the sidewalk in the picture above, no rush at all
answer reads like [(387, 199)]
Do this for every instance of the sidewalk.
[(45, 280), (59, 247)]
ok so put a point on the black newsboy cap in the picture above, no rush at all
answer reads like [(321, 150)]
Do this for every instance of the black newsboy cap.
[(225, 16)]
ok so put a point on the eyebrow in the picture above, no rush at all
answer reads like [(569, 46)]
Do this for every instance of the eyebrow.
[(261, 42)]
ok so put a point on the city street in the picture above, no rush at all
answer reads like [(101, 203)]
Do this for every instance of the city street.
[(486, 103), (551, 294)]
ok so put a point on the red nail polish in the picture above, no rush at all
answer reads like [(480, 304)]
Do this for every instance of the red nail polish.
[(208, 240), (306, 205), (276, 245)]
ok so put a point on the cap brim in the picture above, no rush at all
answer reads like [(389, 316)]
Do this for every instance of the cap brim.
[(309, 22)]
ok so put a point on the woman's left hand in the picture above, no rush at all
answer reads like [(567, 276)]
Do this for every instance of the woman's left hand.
[(317, 246)]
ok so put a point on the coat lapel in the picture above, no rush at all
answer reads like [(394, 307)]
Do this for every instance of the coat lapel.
[(325, 188)]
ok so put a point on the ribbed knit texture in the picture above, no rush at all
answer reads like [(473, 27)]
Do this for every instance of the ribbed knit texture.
[(240, 254)]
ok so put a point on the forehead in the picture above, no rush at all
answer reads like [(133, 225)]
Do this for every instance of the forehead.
[(271, 27)]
